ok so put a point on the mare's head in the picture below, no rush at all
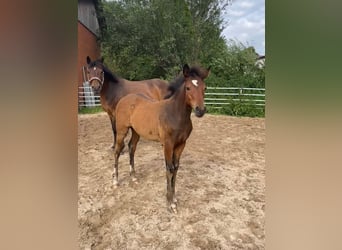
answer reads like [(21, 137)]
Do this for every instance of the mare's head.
[(95, 73), (195, 88)]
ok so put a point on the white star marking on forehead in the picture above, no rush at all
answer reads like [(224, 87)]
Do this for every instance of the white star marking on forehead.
[(194, 82), (94, 68)]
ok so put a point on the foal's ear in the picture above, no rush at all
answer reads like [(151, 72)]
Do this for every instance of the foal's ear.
[(206, 73), (186, 70), (88, 60)]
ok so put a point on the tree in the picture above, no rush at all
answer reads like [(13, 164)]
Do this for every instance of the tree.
[(236, 67), (154, 38)]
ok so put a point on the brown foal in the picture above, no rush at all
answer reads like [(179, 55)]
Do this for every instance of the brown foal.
[(167, 121)]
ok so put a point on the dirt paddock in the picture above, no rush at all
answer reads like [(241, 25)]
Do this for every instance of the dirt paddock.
[(220, 189)]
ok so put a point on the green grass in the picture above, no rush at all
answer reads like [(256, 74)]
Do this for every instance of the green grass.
[(92, 110)]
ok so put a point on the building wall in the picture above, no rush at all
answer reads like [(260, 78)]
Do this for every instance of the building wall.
[(87, 46)]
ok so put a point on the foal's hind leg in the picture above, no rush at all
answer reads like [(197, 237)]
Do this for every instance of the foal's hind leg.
[(112, 121), (132, 147), (119, 145)]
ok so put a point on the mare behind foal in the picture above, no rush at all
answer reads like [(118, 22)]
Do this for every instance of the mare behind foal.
[(112, 88), (167, 121)]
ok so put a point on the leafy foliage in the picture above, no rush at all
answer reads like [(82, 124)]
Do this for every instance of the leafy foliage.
[(239, 109), (146, 39), (235, 67)]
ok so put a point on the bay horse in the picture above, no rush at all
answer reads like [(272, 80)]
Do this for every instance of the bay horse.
[(167, 121), (112, 88)]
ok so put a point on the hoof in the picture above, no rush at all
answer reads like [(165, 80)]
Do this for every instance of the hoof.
[(173, 208), (135, 180), (175, 200), (115, 184)]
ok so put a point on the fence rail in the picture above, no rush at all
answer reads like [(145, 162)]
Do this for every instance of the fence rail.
[(215, 97), (219, 97), (86, 97)]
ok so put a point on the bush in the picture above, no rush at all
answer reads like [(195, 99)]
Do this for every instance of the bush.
[(239, 109)]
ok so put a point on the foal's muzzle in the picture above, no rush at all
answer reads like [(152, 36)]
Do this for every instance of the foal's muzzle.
[(200, 112)]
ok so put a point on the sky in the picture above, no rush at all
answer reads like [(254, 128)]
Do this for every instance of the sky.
[(246, 23)]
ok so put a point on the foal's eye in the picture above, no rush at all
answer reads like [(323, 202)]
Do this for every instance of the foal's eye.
[(187, 88), (205, 88)]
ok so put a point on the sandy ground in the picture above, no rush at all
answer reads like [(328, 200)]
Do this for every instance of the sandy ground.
[(220, 189)]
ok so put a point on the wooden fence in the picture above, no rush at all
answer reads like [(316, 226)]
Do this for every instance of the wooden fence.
[(215, 97)]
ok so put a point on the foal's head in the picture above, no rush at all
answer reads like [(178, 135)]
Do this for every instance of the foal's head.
[(95, 73), (195, 88)]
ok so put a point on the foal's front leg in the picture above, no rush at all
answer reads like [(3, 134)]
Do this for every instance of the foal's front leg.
[(168, 153), (176, 156)]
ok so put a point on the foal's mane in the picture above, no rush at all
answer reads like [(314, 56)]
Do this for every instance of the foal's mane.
[(175, 84), (107, 72)]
